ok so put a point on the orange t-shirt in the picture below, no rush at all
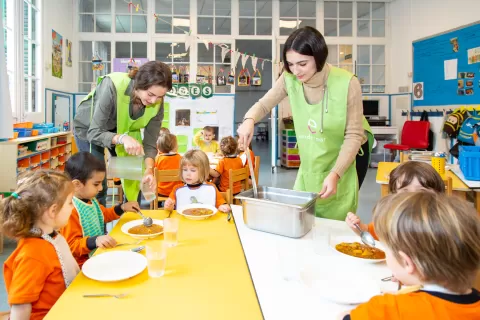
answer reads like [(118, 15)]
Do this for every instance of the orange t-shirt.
[(371, 229), (252, 157), (166, 161), (219, 200), (33, 275), (223, 167), (420, 305), (73, 233)]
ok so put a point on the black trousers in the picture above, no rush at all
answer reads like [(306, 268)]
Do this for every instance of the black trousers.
[(362, 164)]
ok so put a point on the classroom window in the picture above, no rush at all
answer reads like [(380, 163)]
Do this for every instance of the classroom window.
[(214, 17), (255, 17), (95, 15), (210, 65), (172, 16), (128, 19), (87, 76), (341, 56), (371, 19), (296, 14), (371, 68), (172, 53), (338, 19), (9, 46), (30, 56)]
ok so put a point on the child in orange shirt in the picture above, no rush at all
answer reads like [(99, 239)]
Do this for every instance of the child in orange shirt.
[(431, 241), (228, 146), (194, 172), (42, 266), (167, 159), (85, 229), (410, 176)]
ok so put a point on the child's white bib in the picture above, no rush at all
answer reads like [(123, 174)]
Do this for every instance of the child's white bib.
[(205, 194)]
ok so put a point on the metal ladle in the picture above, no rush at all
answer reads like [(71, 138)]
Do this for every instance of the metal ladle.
[(366, 237), (147, 221), (252, 173)]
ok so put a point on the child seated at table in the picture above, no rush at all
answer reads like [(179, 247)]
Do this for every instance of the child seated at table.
[(230, 160), (194, 172), (42, 266), (167, 159), (208, 144), (409, 176), (85, 230), (431, 241)]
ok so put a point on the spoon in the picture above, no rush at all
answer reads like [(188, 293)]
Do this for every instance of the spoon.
[(366, 237), (147, 221), (252, 173)]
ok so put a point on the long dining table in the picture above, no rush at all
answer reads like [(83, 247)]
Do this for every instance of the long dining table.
[(221, 270)]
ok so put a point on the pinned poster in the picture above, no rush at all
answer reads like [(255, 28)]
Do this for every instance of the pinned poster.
[(450, 69)]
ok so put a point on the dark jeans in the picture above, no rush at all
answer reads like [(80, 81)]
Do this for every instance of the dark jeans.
[(362, 164), (98, 152)]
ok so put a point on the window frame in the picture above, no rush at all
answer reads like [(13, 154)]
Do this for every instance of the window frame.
[(299, 19), (255, 18), (94, 13), (214, 17)]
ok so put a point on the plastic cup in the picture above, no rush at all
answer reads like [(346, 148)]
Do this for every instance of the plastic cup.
[(170, 231), (149, 193), (156, 258)]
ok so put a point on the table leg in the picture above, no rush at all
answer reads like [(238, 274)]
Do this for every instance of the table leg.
[(461, 194), (477, 205), (384, 190)]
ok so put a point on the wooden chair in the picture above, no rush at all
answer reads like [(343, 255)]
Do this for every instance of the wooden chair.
[(238, 175), (448, 186), (164, 176), (119, 194), (227, 195)]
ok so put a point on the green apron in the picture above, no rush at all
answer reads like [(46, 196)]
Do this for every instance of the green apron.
[(320, 132), (91, 218), (368, 130), (126, 125)]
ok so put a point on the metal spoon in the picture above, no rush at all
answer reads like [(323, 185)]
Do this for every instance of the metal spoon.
[(147, 221), (366, 237), (252, 173), (103, 295)]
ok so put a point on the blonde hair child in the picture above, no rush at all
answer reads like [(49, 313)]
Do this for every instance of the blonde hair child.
[(42, 266), (433, 241), (194, 172)]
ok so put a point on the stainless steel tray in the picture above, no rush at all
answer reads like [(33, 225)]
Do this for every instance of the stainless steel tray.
[(280, 211)]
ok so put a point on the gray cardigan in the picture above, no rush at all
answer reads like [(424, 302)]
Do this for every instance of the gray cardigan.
[(103, 127)]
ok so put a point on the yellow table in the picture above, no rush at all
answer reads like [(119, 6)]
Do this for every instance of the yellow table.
[(206, 277), (460, 189)]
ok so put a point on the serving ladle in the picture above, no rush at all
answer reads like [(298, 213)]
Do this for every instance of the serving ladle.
[(147, 221)]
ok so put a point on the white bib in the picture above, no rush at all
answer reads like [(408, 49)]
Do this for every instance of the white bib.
[(205, 194)]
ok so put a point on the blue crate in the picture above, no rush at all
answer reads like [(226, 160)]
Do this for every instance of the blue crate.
[(23, 132), (42, 125), (469, 160)]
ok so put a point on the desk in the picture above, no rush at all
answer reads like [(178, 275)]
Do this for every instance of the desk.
[(460, 189), (206, 277)]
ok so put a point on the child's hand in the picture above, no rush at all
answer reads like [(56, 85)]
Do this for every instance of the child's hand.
[(130, 206), (225, 208), (105, 242), (352, 219), (169, 204)]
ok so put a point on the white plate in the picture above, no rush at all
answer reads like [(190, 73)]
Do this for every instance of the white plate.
[(336, 240), (114, 266), (134, 223), (197, 205), (344, 286)]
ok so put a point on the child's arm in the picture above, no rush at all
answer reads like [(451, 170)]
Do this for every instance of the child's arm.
[(170, 202), (196, 138), (21, 311), (217, 172), (214, 173), (221, 203), (73, 234)]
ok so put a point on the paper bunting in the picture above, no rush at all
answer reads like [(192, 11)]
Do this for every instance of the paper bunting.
[(206, 44), (235, 56), (263, 62), (224, 53), (244, 59), (253, 60), (188, 41)]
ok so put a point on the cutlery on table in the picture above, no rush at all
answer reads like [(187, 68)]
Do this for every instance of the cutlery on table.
[(106, 295), (366, 237), (147, 221), (128, 244), (137, 249)]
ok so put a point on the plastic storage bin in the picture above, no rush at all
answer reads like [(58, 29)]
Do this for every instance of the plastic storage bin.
[(469, 160), (23, 132)]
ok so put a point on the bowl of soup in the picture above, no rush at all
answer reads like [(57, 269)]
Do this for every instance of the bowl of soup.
[(137, 230)]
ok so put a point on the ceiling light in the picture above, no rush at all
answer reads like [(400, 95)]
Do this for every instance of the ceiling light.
[(341, 52), (289, 24)]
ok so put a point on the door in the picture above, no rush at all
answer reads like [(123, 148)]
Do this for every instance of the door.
[(60, 109)]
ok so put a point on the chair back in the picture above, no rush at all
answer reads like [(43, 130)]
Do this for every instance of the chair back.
[(448, 186), (415, 134), (238, 175), (166, 175)]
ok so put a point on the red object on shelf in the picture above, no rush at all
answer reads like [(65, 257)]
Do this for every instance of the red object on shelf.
[(414, 136)]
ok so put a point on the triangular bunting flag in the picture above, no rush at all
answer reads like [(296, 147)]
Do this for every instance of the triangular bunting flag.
[(206, 44), (254, 60), (235, 56), (263, 62), (224, 53), (244, 59)]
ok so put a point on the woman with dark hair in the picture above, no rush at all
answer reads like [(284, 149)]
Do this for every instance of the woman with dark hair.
[(327, 112), (112, 115)]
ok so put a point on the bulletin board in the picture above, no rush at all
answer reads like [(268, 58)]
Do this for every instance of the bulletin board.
[(188, 116), (446, 68)]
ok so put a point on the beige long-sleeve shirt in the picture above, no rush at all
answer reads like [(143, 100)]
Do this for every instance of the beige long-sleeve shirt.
[(354, 133)]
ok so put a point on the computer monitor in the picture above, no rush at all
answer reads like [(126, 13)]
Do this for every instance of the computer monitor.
[(370, 107)]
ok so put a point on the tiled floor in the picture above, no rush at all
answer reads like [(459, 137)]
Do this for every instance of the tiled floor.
[(282, 178)]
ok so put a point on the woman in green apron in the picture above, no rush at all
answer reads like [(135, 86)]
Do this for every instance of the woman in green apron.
[(327, 111), (112, 115)]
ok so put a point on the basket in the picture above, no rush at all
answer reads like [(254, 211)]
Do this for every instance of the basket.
[(469, 160)]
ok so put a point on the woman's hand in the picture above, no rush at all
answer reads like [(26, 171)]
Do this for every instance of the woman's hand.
[(329, 185), (245, 132), (132, 146)]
